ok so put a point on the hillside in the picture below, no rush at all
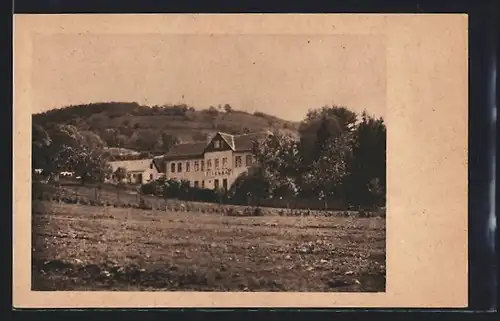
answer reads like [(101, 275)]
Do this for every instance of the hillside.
[(144, 128)]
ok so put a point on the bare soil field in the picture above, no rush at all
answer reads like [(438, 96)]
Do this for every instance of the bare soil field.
[(85, 248)]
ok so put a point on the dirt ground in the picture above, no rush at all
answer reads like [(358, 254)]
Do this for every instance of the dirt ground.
[(85, 248)]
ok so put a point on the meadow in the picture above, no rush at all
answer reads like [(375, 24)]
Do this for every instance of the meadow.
[(95, 248)]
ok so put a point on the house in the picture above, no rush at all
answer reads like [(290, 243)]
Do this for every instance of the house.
[(139, 171), (213, 164)]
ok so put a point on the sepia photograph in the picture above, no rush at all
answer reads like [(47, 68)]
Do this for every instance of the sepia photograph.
[(208, 163), (240, 160)]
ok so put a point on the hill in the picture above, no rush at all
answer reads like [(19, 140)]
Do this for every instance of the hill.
[(155, 129)]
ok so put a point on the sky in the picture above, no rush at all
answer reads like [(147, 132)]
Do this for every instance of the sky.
[(282, 75)]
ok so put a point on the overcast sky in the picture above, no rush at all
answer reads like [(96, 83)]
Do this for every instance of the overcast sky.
[(283, 75)]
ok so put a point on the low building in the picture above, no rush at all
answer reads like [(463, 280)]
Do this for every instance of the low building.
[(214, 164), (139, 171)]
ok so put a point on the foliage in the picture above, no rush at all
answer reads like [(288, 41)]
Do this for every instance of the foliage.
[(85, 163), (366, 184), (120, 174), (327, 173), (251, 187), (279, 158), (157, 127)]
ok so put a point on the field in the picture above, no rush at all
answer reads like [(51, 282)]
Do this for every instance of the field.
[(82, 248)]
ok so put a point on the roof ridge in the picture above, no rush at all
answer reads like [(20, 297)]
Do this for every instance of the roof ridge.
[(224, 133)]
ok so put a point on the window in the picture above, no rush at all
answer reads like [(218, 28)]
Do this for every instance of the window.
[(224, 162), (188, 166), (209, 164), (202, 163), (150, 177), (238, 161), (216, 184), (196, 184), (151, 166), (224, 184), (172, 168), (202, 184), (179, 167), (217, 144), (249, 160), (196, 166), (216, 163)]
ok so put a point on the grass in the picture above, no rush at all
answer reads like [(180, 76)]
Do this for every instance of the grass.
[(82, 248)]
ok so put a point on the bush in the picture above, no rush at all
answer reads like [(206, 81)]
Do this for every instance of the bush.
[(258, 212)]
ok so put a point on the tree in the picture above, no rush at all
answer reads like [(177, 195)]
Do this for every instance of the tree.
[(168, 140), (213, 112), (250, 187), (85, 163), (146, 139), (278, 157), (321, 125), (120, 174), (40, 143), (328, 172), (92, 140), (228, 108), (366, 184)]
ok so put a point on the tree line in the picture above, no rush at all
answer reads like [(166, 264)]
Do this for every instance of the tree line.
[(339, 157)]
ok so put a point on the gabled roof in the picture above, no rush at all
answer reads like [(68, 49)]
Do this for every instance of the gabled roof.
[(159, 162), (228, 138), (186, 150), (238, 143), (245, 142)]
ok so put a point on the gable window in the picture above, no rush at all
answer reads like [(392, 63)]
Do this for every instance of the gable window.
[(209, 164), (188, 166), (238, 161), (224, 162), (202, 165), (217, 143), (216, 163), (172, 168), (179, 167), (196, 166), (249, 160)]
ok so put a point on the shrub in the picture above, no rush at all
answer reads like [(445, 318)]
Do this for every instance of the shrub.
[(258, 212)]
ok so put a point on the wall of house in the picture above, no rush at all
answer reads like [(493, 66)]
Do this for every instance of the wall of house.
[(192, 175), (151, 173), (223, 172), (244, 164), (145, 167), (208, 176)]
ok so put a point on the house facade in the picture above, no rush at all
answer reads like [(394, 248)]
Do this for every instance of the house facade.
[(139, 171), (214, 164)]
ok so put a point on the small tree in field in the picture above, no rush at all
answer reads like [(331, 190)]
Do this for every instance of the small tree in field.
[(120, 174)]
